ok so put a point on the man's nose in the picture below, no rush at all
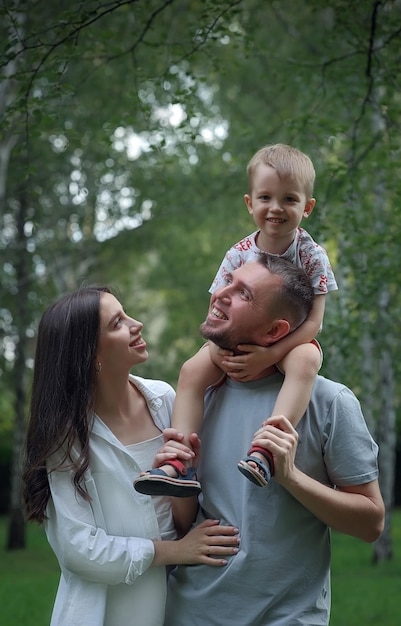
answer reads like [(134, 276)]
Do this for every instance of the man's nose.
[(223, 293)]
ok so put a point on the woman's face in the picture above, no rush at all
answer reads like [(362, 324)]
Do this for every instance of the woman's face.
[(120, 343)]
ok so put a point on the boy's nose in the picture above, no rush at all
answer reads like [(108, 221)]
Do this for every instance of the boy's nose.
[(275, 206)]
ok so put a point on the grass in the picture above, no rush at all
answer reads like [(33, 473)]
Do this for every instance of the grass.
[(362, 594), (28, 579)]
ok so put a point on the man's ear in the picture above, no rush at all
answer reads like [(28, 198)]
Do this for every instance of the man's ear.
[(278, 330)]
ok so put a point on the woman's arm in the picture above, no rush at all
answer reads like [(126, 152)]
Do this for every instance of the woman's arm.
[(209, 543), (82, 544)]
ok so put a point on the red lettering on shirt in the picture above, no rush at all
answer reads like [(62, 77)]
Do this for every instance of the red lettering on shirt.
[(243, 245)]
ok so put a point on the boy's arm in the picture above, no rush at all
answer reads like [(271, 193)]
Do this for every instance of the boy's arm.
[(257, 358)]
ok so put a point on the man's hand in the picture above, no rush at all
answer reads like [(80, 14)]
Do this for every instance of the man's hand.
[(280, 438)]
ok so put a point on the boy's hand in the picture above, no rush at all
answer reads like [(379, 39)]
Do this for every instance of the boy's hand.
[(251, 363), (218, 354)]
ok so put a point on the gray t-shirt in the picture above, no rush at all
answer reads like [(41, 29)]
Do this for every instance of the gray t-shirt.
[(281, 575)]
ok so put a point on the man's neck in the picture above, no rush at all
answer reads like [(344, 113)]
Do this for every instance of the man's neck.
[(269, 371)]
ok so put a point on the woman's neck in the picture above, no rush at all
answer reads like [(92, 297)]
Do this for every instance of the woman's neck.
[(114, 396), (123, 408)]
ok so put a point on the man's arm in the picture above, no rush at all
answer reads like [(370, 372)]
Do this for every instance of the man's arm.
[(356, 510)]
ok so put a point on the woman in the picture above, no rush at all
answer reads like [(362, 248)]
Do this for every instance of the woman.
[(93, 428)]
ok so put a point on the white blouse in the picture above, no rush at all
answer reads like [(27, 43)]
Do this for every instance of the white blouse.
[(105, 546)]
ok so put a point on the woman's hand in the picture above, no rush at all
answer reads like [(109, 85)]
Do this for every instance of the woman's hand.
[(173, 448), (209, 543)]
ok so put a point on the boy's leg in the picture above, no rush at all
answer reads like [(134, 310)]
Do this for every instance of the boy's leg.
[(300, 367), (258, 466), (176, 478)]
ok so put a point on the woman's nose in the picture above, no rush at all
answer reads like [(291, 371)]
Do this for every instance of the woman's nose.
[(134, 324)]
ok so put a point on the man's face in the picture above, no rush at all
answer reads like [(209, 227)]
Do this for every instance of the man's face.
[(241, 312)]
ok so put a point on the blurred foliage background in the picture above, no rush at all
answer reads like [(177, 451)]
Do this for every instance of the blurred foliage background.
[(125, 131)]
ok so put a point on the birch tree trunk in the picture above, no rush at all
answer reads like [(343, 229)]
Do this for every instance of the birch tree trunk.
[(386, 412), (16, 529), (386, 438)]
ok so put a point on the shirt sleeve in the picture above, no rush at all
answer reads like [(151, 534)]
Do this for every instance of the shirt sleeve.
[(315, 262), (350, 453), (82, 546)]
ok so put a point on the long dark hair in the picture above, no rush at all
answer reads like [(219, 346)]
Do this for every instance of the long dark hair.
[(62, 396)]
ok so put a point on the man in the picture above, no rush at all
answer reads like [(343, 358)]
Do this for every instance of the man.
[(325, 472)]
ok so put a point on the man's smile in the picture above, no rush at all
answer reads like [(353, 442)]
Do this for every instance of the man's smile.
[(217, 313)]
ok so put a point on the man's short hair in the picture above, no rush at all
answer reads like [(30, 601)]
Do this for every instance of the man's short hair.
[(294, 299)]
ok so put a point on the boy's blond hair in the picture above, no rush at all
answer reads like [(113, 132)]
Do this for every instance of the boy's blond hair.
[(288, 162)]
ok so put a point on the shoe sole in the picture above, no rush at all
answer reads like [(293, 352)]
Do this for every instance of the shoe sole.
[(252, 474), (167, 486)]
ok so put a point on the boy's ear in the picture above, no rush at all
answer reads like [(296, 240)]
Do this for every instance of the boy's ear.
[(278, 330), (248, 202), (309, 206)]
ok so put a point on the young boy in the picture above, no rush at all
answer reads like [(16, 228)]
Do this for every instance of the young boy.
[(281, 180)]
